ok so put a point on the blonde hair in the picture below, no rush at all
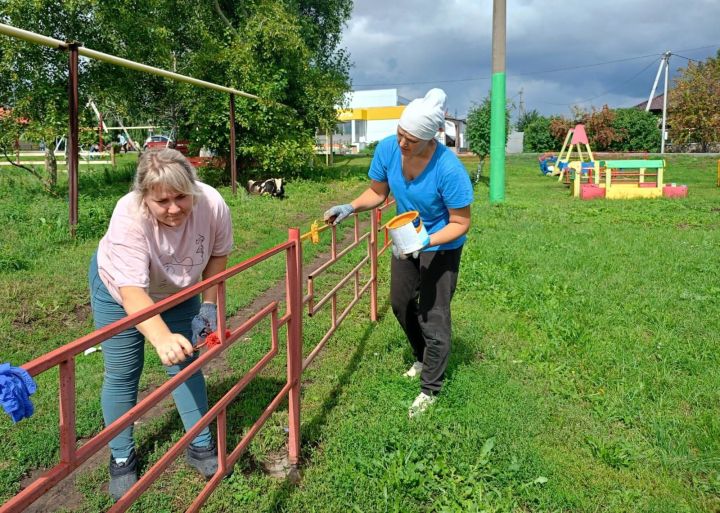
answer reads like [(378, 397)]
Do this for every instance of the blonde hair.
[(166, 168)]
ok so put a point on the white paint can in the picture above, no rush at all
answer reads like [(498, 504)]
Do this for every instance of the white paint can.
[(405, 235)]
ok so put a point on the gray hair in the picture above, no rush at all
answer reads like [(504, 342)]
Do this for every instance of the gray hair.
[(167, 168)]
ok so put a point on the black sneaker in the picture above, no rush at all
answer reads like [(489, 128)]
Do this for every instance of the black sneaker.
[(122, 476), (203, 459)]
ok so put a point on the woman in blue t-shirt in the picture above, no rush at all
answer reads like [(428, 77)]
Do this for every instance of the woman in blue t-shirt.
[(424, 176)]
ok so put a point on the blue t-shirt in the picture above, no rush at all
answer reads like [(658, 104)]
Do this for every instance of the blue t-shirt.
[(443, 184)]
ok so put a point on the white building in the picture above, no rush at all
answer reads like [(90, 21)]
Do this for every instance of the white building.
[(373, 115)]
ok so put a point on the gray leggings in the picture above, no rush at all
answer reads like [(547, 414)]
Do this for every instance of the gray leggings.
[(124, 356), (420, 293)]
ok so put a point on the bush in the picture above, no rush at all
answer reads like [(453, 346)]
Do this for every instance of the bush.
[(213, 176), (537, 138), (638, 131), (525, 119), (369, 150)]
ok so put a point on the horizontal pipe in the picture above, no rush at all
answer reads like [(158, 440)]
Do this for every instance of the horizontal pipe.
[(39, 39), (338, 256)]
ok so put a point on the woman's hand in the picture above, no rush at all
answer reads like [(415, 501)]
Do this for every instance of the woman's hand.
[(173, 349), (336, 214)]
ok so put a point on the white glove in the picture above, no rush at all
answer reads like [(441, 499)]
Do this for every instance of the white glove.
[(402, 256), (335, 214)]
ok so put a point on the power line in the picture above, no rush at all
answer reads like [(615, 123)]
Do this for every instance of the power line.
[(556, 70), (686, 58), (581, 66), (615, 87), (538, 72)]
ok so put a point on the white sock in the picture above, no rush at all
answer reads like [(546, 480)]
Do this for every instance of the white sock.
[(120, 461)]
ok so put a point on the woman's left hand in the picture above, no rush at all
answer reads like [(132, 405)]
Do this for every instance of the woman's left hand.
[(204, 323)]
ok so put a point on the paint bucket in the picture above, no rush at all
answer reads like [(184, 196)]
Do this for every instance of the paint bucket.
[(406, 237)]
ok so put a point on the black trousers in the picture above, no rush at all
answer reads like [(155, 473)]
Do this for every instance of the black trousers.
[(420, 293)]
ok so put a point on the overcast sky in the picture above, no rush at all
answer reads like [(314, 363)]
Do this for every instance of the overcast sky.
[(414, 45)]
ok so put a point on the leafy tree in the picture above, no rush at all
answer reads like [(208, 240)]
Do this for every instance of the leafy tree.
[(638, 131), (284, 51), (478, 131), (599, 128), (694, 113), (34, 81), (538, 138), (526, 118)]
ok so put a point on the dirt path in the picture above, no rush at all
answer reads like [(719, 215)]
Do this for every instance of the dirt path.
[(66, 494)]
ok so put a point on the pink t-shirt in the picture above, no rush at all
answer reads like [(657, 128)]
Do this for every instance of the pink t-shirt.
[(139, 251)]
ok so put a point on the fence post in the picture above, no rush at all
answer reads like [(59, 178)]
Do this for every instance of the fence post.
[(67, 411), (72, 151), (294, 342), (233, 161), (374, 223)]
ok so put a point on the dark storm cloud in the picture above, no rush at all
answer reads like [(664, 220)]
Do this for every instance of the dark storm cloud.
[(416, 45)]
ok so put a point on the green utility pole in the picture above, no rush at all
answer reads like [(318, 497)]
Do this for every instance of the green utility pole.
[(497, 105)]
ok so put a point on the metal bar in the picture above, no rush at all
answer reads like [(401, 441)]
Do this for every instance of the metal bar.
[(100, 131), (221, 315), (32, 37), (665, 98), (74, 136), (68, 435), (96, 442), (373, 250), (340, 284), (55, 357), (233, 161), (309, 358), (154, 472), (59, 472), (37, 488), (222, 440), (338, 256), (294, 343)]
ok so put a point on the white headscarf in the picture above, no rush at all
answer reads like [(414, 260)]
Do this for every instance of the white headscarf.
[(423, 117)]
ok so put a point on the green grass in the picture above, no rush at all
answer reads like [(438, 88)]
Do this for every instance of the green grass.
[(584, 374)]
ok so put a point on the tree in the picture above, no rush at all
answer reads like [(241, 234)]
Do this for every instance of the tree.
[(525, 119), (599, 128), (694, 104), (538, 138), (478, 131), (284, 51), (638, 131), (34, 81)]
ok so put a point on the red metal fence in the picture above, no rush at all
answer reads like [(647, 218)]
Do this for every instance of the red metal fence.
[(72, 456)]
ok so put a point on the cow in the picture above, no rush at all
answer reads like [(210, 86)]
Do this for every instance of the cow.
[(274, 187)]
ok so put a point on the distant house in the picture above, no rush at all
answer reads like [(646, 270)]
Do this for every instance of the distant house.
[(656, 104), (373, 115)]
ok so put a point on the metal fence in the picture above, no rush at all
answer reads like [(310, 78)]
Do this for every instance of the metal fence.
[(298, 293)]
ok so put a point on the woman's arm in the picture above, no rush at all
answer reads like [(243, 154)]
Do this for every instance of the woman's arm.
[(372, 197), (215, 265), (457, 226), (171, 347)]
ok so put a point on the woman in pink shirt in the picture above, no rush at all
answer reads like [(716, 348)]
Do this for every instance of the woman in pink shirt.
[(168, 233)]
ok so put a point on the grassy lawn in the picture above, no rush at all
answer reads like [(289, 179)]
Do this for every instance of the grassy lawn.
[(584, 374)]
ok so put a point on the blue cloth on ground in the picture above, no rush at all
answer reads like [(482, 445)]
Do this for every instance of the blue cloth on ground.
[(16, 387)]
